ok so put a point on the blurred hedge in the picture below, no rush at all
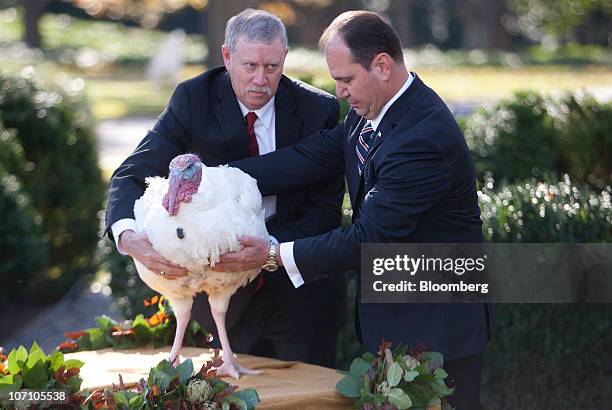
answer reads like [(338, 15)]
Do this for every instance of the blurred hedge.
[(128, 289), (528, 136), (61, 176), (547, 355), (556, 211), (23, 248)]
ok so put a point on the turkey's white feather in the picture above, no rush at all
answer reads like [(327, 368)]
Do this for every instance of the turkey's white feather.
[(226, 206)]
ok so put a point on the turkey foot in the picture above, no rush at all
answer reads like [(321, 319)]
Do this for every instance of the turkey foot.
[(232, 368)]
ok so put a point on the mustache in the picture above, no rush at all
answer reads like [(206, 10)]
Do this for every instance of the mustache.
[(265, 90)]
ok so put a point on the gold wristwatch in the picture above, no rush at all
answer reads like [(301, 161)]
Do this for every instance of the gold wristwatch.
[(271, 264)]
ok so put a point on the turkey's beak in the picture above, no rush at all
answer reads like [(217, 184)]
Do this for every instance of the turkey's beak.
[(174, 183)]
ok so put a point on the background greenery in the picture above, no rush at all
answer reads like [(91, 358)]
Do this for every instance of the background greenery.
[(55, 159), (542, 156)]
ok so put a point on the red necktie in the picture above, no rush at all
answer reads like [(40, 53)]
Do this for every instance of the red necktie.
[(251, 117)]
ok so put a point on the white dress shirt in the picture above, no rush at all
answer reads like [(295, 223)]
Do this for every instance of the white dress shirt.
[(286, 248), (265, 131)]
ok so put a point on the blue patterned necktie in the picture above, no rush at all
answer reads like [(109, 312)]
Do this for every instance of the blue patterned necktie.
[(363, 145)]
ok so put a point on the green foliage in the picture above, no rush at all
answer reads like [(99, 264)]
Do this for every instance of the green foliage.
[(327, 86), (568, 54), (562, 351), (557, 211), (86, 43), (529, 136), (35, 370), (157, 330), (585, 140), (514, 139), (396, 378), (562, 20), (128, 289), (61, 175), (23, 249), (168, 387), (531, 349)]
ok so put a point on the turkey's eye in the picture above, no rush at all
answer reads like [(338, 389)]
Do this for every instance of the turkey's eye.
[(180, 233)]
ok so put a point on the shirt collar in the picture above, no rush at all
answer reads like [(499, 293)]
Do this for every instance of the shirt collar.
[(376, 121), (264, 114)]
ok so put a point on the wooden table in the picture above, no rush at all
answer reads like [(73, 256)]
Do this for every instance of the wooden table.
[(283, 385)]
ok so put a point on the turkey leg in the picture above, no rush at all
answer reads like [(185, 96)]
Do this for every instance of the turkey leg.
[(230, 366), (182, 312)]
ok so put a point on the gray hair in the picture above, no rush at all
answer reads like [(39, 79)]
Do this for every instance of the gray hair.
[(254, 25)]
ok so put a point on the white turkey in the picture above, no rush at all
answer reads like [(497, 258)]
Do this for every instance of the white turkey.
[(192, 218)]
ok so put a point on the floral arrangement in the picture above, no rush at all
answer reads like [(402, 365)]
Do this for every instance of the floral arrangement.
[(177, 388), (167, 387), (36, 371), (157, 330), (396, 380)]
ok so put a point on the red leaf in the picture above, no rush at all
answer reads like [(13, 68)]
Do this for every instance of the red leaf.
[(75, 335), (72, 372), (217, 362), (59, 374), (68, 346), (384, 346)]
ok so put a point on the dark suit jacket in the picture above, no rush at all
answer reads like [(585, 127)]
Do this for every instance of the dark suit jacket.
[(418, 185), (203, 117)]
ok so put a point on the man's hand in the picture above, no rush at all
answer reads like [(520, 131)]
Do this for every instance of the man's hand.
[(137, 245), (253, 255)]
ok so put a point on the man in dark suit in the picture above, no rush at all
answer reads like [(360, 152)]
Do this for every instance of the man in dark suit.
[(245, 109), (410, 179)]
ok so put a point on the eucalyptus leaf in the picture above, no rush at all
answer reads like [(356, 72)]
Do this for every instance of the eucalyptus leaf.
[(399, 399), (440, 373), (441, 390), (359, 367), (410, 376), (349, 387), (185, 370), (394, 374), (163, 374), (368, 357), (218, 387), (249, 396), (235, 401), (435, 357)]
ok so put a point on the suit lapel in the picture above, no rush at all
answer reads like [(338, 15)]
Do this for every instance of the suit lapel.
[(227, 113), (288, 125)]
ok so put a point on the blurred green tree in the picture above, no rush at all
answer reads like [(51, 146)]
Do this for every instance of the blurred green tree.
[(553, 22)]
